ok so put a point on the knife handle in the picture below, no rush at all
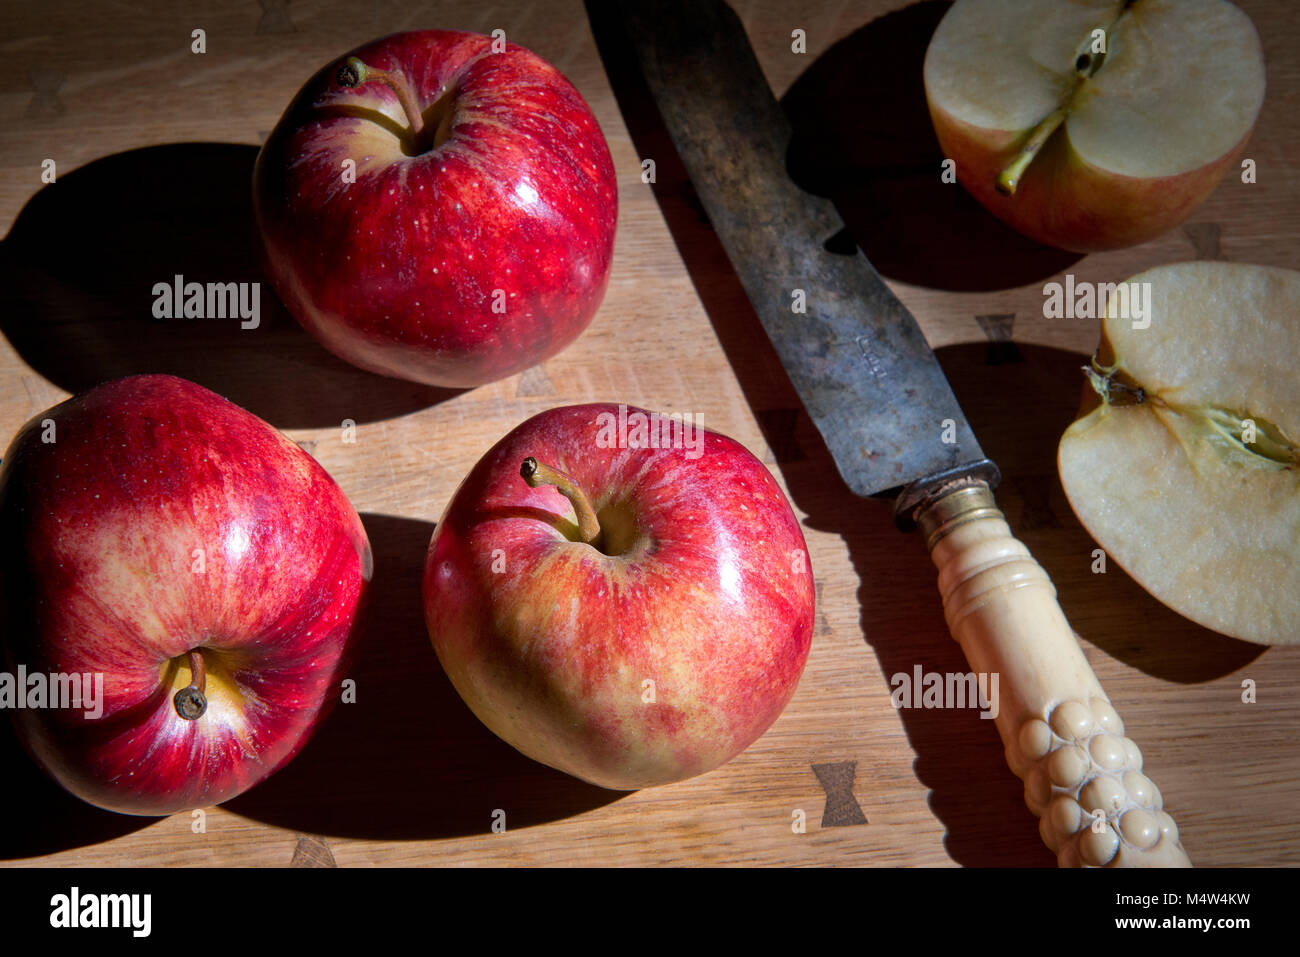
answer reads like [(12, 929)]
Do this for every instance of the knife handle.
[(1083, 777)]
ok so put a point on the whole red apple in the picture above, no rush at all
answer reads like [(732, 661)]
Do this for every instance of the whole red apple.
[(208, 569), (642, 618), (438, 206)]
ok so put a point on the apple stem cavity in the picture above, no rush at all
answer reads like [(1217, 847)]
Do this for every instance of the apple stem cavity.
[(535, 473), (354, 73), (190, 702)]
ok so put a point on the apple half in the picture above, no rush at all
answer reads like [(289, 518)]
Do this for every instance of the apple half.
[(1186, 470), (1084, 149)]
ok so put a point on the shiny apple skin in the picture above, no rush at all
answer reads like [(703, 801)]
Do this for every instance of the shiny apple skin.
[(397, 272), (98, 574), (552, 648)]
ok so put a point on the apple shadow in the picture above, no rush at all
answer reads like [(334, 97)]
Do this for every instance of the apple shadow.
[(408, 760), (863, 139), (959, 757), (40, 817), (80, 263)]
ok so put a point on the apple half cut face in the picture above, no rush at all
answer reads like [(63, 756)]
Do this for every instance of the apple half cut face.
[(1093, 124), (1187, 471)]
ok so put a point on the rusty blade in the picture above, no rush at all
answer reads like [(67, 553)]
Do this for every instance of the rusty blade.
[(853, 352)]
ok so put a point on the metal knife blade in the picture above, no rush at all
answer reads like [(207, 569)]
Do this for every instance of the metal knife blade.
[(856, 356)]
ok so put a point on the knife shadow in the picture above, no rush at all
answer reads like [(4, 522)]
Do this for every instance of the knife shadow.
[(862, 137), (958, 756)]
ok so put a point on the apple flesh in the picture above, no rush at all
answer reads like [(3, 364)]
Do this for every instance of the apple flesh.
[(658, 651), (152, 532), (461, 254), (1187, 470), (1090, 151)]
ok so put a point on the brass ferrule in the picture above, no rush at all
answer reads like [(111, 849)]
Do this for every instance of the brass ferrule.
[(969, 502)]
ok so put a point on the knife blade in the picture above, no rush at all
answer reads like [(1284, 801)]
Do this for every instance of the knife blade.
[(810, 303), (880, 400)]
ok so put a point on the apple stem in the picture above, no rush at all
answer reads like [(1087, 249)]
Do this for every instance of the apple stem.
[(190, 702), (1085, 67), (354, 73), (1009, 178), (535, 473)]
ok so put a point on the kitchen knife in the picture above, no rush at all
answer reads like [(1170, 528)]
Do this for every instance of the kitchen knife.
[(875, 391)]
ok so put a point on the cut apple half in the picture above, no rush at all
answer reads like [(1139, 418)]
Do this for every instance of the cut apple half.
[(1185, 464), (1092, 124)]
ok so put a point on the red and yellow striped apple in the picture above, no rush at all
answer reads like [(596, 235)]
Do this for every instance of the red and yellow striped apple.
[(630, 615), (208, 568)]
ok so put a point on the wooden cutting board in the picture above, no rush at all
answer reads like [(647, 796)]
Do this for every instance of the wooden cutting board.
[(154, 145)]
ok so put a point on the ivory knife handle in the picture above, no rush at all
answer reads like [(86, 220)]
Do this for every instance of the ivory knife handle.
[(1083, 777)]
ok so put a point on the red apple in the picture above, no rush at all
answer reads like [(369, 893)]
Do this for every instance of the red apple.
[(208, 568), (644, 619), (477, 236)]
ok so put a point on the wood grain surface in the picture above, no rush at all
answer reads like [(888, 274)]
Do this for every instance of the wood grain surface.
[(154, 147)]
